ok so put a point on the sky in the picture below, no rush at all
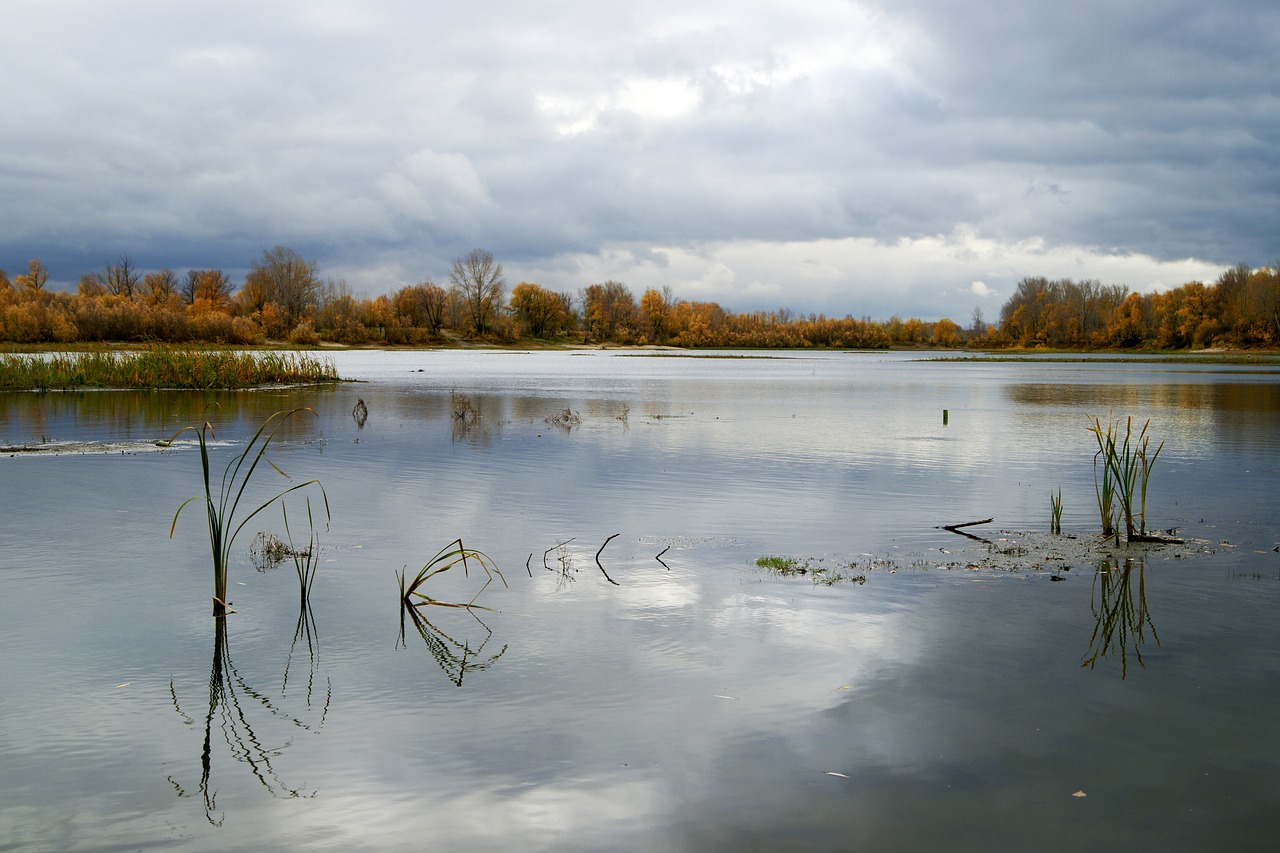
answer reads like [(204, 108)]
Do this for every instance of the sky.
[(912, 158)]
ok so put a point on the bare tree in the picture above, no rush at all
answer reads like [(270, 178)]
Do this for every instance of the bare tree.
[(479, 281), (122, 278)]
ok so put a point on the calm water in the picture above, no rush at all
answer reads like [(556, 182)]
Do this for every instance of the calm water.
[(700, 703)]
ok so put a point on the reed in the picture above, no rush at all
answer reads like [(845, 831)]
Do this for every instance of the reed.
[(1055, 512), (221, 508), (453, 554), (1126, 473), (305, 560), (162, 367)]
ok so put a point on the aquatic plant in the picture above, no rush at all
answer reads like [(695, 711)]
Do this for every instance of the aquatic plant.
[(1055, 512), (463, 409), (1126, 472), (221, 514), (453, 554), (305, 560), (162, 367), (782, 565)]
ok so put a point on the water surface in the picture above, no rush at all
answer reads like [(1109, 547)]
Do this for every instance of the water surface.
[(933, 699)]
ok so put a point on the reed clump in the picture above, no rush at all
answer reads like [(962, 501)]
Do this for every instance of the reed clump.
[(412, 592), (1055, 512), (222, 506), (162, 368), (1126, 463)]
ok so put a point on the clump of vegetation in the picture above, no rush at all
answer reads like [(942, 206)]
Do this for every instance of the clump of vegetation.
[(568, 419), (162, 367), (453, 554), (1126, 471), (221, 509), (463, 409), (818, 570), (1055, 512), (781, 565)]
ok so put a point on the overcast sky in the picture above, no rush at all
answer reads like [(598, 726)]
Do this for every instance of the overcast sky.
[(914, 157)]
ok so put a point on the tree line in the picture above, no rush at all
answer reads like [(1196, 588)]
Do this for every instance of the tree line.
[(283, 299)]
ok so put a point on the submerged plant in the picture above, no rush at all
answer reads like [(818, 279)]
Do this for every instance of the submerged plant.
[(1055, 512), (449, 556), (1126, 472), (221, 508)]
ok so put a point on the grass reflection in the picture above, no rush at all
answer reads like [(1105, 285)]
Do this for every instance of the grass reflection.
[(237, 711), (455, 657), (1120, 611)]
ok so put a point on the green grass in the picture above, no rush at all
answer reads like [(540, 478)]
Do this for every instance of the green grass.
[(1055, 512), (781, 565), (162, 367), (221, 508)]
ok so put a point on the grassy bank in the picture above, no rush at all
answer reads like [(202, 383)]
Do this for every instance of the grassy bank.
[(162, 368)]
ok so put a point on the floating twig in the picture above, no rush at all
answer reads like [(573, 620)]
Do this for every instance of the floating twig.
[(658, 557), (601, 551)]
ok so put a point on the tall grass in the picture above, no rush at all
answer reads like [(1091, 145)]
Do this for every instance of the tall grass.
[(1055, 512), (221, 508), (1126, 471), (162, 367)]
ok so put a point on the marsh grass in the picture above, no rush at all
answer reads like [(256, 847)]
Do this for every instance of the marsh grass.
[(412, 592), (221, 510), (1055, 512), (162, 367), (305, 560), (1126, 471)]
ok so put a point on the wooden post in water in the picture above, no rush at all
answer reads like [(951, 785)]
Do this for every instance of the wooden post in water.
[(944, 417)]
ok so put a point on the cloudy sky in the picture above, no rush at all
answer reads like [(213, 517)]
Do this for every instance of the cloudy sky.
[(915, 157)]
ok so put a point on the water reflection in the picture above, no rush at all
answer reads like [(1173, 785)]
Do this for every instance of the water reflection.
[(1120, 613), (451, 649), (233, 704)]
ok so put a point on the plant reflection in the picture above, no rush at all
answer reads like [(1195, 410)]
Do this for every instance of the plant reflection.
[(1121, 614), (231, 702), (455, 657)]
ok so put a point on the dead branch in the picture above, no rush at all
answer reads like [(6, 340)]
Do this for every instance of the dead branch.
[(601, 551)]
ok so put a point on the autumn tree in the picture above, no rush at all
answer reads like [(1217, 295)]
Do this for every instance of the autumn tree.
[(540, 311), (283, 279), (609, 310), (655, 312), (207, 289), (35, 278), (480, 285), (159, 286)]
